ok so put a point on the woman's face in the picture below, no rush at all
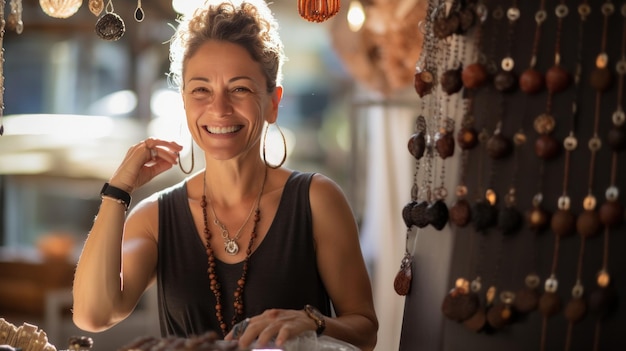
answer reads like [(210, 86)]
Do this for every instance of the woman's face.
[(226, 100)]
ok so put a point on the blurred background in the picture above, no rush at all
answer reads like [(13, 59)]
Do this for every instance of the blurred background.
[(74, 103)]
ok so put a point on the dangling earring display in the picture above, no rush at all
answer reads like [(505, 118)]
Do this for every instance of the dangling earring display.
[(193, 161), (282, 161)]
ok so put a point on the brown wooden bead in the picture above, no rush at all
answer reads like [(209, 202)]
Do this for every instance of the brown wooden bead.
[(531, 81), (601, 79), (417, 145), (575, 310), (547, 147), (484, 215), (538, 218), (451, 81), (499, 147), (459, 305), (423, 82), (602, 301), (616, 138), (563, 223), (467, 138), (437, 213), (588, 223), (611, 213), (474, 76), (557, 79), (505, 81), (419, 215), (406, 213), (498, 316), (549, 304), (526, 300), (477, 321), (445, 145), (460, 213), (446, 26)]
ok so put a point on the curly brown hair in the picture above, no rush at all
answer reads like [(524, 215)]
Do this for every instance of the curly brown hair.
[(250, 23)]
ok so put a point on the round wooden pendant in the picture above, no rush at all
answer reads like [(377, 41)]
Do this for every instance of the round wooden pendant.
[(484, 215), (467, 138), (603, 301), (460, 213), (451, 81), (557, 79), (588, 223), (616, 138), (459, 305), (611, 213), (477, 321), (549, 304), (601, 79), (505, 81), (499, 146), (563, 223), (526, 300), (531, 81), (547, 147), (499, 316), (474, 76), (445, 145), (423, 83), (417, 145), (110, 27), (538, 218), (576, 309)]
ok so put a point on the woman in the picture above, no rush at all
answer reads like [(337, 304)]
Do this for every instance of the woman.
[(243, 241)]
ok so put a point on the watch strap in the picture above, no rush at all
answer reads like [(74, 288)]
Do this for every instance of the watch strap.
[(118, 194)]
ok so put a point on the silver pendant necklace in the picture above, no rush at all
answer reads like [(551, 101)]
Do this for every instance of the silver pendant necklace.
[(230, 244)]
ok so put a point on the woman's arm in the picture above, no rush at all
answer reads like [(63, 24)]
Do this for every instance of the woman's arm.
[(111, 276), (118, 260)]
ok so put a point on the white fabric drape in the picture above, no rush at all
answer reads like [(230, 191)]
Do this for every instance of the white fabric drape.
[(390, 170)]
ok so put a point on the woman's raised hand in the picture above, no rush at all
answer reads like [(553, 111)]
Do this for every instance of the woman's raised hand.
[(144, 161)]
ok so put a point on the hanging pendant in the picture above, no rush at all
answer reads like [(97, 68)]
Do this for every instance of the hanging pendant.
[(318, 10), (96, 6), (402, 281), (139, 14), (60, 9), (231, 247), (110, 26)]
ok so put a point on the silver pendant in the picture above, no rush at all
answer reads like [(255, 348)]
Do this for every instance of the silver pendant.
[(231, 247)]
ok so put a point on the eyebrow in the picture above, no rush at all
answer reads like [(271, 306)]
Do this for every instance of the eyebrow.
[(206, 80)]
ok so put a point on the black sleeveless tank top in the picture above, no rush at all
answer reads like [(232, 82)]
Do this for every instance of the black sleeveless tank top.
[(282, 271)]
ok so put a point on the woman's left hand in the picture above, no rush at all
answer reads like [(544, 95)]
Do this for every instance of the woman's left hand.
[(275, 324)]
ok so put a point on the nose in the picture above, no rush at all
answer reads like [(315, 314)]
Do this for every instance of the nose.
[(221, 105)]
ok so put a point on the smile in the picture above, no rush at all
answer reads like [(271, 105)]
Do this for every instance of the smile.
[(223, 130)]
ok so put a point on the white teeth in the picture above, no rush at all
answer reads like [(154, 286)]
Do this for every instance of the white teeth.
[(223, 130)]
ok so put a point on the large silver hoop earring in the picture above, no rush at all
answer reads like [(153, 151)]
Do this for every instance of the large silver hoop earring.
[(265, 145), (193, 161)]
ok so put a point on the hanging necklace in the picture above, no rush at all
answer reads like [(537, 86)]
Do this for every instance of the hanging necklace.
[(230, 244), (241, 282)]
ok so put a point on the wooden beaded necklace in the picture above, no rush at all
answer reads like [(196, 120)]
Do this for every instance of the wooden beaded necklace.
[(241, 282)]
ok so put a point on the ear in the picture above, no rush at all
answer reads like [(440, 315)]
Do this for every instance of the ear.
[(277, 96)]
